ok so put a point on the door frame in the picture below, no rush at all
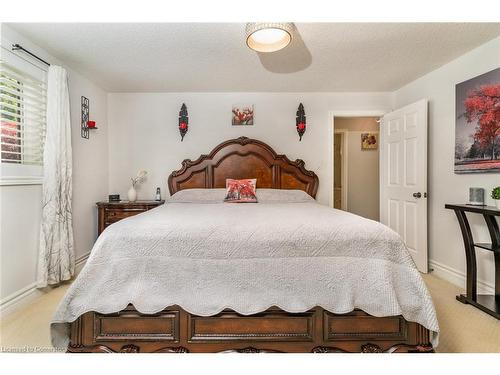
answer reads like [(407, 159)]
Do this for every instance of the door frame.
[(331, 132), (345, 162)]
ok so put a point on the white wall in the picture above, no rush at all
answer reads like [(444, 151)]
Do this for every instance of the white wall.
[(20, 227), (90, 162), (363, 178), (21, 205), (445, 241), (144, 135)]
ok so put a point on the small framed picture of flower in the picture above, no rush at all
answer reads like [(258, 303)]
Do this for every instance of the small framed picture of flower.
[(242, 114), (369, 141)]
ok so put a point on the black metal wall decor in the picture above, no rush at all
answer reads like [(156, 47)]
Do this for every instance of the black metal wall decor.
[(183, 121), (85, 117), (86, 123), (300, 121)]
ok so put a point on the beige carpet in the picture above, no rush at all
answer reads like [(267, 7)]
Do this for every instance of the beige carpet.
[(463, 327), (27, 330)]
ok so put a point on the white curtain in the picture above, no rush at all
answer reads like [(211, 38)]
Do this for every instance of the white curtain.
[(56, 258)]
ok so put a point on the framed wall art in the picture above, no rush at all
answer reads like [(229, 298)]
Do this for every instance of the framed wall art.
[(369, 141), (242, 114), (477, 124)]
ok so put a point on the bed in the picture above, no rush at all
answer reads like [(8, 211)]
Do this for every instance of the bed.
[(283, 275)]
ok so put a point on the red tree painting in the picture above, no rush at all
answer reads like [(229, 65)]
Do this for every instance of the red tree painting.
[(477, 124), (483, 106)]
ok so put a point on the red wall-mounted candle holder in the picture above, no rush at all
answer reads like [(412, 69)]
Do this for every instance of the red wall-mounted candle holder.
[(300, 121), (85, 117), (86, 124), (183, 121)]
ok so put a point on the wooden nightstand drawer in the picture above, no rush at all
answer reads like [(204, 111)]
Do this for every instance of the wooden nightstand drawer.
[(111, 212), (112, 215)]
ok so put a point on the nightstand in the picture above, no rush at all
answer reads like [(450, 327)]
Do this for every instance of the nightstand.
[(111, 212)]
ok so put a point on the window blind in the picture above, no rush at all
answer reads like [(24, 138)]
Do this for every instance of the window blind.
[(23, 100)]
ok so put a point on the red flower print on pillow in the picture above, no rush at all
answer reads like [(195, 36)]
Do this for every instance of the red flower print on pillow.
[(240, 191)]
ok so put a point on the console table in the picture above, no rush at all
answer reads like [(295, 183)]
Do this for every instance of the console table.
[(490, 304)]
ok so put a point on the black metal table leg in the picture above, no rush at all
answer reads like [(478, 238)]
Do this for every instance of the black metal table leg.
[(492, 224), (497, 278), (470, 257)]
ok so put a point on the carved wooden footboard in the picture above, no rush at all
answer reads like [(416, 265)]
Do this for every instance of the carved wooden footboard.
[(173, 330)]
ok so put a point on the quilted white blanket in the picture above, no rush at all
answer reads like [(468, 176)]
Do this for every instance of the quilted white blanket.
[(208, 256)]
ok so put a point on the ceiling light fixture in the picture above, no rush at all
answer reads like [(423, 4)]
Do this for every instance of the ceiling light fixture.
[(269, 36)]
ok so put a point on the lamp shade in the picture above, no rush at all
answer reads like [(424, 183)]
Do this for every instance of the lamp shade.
[(268, 37)]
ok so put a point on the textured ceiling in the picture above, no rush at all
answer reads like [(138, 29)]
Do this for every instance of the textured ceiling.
[(124, 57)]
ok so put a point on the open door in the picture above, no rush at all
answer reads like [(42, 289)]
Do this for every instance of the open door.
[(403, 177)]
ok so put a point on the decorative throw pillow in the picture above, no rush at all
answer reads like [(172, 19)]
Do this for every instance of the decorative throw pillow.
[(240, 191)]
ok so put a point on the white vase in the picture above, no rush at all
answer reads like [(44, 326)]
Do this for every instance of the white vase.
[(497, 202), (132, 194)]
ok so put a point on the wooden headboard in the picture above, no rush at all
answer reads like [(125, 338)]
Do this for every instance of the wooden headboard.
[(244, 158)]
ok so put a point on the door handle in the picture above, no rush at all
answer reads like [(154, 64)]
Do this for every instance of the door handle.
[(417, 195)]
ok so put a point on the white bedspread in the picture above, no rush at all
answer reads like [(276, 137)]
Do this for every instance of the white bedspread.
[(206, 257)]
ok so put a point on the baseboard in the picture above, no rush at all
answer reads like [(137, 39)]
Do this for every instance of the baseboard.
[(80, 262), (30, 293), (458, 278), (19, 299)]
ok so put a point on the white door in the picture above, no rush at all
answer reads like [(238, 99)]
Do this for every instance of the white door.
[(403, 177)]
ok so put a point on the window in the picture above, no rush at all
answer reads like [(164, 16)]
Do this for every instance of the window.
[(22, 113)]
